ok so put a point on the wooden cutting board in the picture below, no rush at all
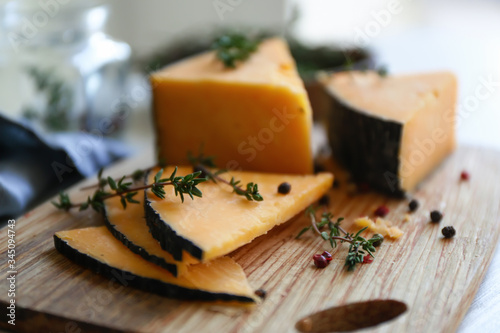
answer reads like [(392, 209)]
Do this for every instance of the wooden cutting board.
[(436, 278)]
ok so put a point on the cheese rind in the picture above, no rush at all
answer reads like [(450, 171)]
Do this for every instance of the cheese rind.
[(391, 131), (129, 227), (222, 221), (95, 248), (254, 117)]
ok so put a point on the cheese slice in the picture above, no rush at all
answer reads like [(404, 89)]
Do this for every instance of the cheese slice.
[(392, 131), (95, 248), (254, 117), (222, 221), (129, 227)]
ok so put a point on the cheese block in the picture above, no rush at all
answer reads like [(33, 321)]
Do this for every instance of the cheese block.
[(95, 248), (253, 117), (129, 227), (391, 132), (222, 221)]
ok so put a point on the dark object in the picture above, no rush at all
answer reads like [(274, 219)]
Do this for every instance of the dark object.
[(352, 317), (320, 261), (319, 168), (147, 284), (261, 293), (436, 216), (381, 211), (336, 183), (372, 157), (379, 242), (327, 255), (464, 175), (448, 232), (324, 200), (172, 268), (363, 187), (413, 205), (201, 169), (284, 188)]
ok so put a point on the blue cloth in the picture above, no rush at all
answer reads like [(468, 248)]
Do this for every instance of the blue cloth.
[(34, 167)]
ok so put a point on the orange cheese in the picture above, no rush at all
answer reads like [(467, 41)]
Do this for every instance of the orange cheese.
[(222, 221), (253, 117), (98, 250), (129, 226), (392, 131)]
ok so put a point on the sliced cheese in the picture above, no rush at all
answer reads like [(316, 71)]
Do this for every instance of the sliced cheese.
[(222, 221), (129, 227), (392, 131), (254, 117), (96, 249)]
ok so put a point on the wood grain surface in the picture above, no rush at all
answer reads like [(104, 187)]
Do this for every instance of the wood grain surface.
[(434, 277)]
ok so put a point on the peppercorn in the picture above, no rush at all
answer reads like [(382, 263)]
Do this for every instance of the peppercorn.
[(436, 216), (368, 259), (284, 188), (464, 175), (363, 187), (381, 211), (336, 183), (327, 256), (448, 232), (324, 200), (261, 293), (413, 205), (378, 242), (197, 168), (319, 167), (320, 261)]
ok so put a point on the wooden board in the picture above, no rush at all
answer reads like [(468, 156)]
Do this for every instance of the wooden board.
[(436, 278)]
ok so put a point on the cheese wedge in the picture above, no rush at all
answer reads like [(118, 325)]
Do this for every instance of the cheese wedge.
[(253, 117), (391, 131), (129, 227), (96, 249), (222, 221)]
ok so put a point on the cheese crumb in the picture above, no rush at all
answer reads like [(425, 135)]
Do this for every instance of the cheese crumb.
[(407, 218), (380, 226)]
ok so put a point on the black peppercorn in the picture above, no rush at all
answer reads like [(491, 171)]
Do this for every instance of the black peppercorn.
[(379, 241), (448, 232), (324, 200), (319, 167), (284, 188), (436, 216), (200, 168), (261, 293), (413, 205)]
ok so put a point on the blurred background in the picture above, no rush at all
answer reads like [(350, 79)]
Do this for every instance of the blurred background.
[(71, 65), (75, 96)]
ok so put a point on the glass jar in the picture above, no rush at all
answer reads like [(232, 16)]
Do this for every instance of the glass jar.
[(58, 68)]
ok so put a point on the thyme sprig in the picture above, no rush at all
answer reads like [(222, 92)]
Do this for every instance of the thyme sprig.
[(204, 164), (359, 247), (231, 48), (182, 185)]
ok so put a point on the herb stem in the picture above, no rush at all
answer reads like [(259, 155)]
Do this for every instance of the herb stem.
[(315, 227), (211, 175), (134, 175)]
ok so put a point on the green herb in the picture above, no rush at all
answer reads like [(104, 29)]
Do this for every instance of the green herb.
[(382, 71), (58, 96), (234, 47), (182, 185), (204, 164), (359, 246)]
